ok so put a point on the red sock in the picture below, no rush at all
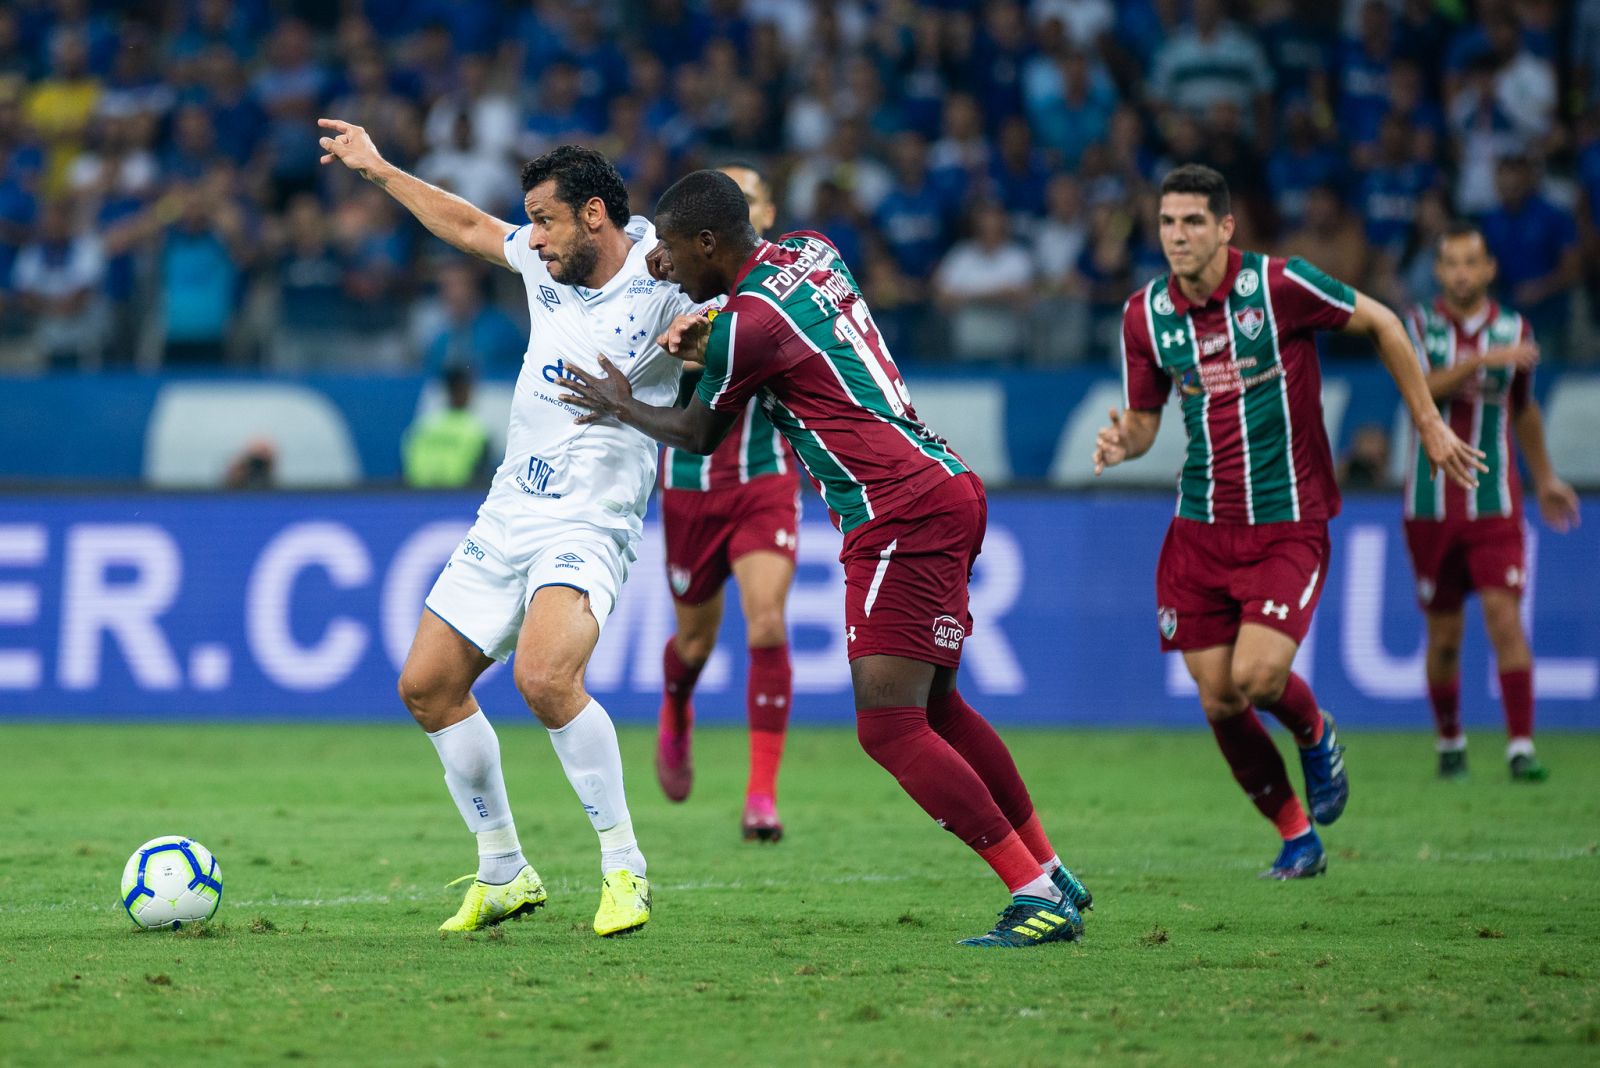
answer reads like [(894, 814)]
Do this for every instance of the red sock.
[(768, 691), (1516, 693), (946, 787), (971, 735), (677, 690), (1032, 834), (1445, 697), (1297, 709), (1013, 861), (1258, 768)]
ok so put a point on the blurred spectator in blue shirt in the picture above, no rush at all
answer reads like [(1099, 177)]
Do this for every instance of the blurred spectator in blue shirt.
[(1298, 44), (559, 115), (201, 258), (237, 119), (1389, 192), (1071, 111), (1018, 176), (1001, 49), (912, 218), (1364, 75), (470, 331), (1535, 244), (1301, 162)]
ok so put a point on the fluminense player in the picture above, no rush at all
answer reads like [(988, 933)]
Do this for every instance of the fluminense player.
[(1246, 555), (797, 333), (1479, 357), (735, 511), (541, 568)]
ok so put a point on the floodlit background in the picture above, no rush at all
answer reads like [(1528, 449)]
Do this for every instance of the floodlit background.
[(189, 302)]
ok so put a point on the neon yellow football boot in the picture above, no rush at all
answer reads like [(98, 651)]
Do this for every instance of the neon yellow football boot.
[(624, 903), (487, 904)]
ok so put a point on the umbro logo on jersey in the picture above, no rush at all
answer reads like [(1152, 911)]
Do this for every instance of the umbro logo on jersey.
[(570, 558), (549, 298)]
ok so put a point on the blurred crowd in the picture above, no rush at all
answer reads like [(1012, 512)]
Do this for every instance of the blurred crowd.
[(987, 167)]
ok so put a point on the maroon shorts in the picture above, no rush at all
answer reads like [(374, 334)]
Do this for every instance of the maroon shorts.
[(707, 530), (905, 575), (1212, 577), (1453, 557)]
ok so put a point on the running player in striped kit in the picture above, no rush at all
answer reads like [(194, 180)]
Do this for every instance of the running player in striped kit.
[(734, 512), (1246, 556), (1479, 358), (797, 332)]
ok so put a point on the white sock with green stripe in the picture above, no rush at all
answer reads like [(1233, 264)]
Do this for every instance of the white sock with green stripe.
[(470, 753)]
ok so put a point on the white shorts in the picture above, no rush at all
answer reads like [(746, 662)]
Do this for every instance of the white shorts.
[(484, 590)]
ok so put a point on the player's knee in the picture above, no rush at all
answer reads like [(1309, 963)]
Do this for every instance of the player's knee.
[(1223, 704), (694, 649), (1261, 683), (426, 698), (552, 694), (764, 627)]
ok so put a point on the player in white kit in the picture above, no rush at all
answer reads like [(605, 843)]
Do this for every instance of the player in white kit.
[(540, 570)]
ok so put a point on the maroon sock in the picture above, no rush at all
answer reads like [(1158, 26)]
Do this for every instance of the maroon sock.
[(971, 735), (946, 787), (1445, 697), (1297, 709), (1516, 693), (1258, 768), (768, 691), (677, 690)]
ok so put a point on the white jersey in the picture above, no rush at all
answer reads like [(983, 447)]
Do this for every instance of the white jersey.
[(602, 473)]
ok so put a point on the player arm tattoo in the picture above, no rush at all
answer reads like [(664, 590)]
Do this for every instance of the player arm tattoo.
[(697, 428), (446, 215)]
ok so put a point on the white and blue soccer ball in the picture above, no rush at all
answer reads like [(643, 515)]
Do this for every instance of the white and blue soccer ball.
[(171, 881)]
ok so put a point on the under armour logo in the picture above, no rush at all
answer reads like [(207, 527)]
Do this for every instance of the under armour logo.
[(785, 539), (1273, 608), (850, 634), (1173, 338)]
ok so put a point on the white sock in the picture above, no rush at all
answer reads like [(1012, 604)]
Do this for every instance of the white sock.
[(1040, 887), (1519, 747), (1051, 865), (1458, 744), (470, 753), (587, 747)]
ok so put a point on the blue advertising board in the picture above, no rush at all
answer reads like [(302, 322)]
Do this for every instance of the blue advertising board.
[(152, 607)]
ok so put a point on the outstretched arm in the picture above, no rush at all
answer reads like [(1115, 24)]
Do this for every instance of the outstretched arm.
[(446, 215), (1445, 451), (697, 428)]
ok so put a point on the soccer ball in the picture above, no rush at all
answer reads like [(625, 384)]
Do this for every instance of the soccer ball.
[(169, 882)]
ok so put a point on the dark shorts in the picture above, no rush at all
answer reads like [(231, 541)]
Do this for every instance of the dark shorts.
[(905, 576), (1453, 557), (1213, 577), (706, 531)]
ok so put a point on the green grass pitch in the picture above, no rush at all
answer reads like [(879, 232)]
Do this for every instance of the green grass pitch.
[(1459, 923)]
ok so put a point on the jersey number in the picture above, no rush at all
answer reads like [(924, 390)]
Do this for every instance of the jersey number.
[(861, 334)]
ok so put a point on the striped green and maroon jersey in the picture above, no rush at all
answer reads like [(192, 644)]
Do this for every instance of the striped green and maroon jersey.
[(753, 449), (798, 333), (1245, 365), (1480, 413)]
